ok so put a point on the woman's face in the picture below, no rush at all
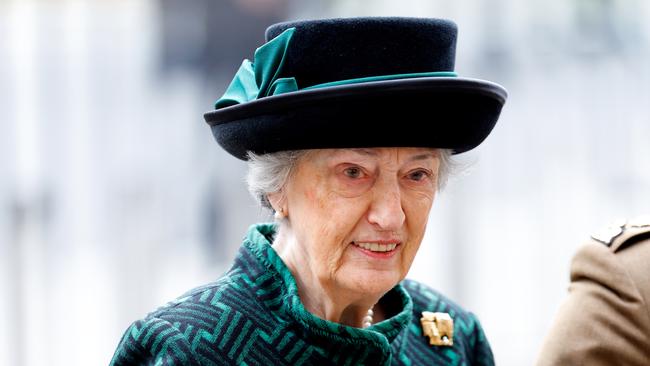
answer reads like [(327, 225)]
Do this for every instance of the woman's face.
[(359, 215)]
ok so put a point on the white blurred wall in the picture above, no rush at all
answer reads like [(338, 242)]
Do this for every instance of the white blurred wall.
[(109, 177)]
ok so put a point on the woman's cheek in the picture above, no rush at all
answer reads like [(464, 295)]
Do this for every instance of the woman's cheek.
[(310, 195), (421, 202)]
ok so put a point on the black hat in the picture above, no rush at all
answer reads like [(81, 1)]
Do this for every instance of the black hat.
[(357, 82)]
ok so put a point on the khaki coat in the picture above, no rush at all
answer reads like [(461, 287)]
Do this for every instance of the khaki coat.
[(605, 320)]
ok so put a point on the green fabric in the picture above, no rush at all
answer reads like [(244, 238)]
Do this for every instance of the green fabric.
[(258, 80), (384, 77), (253, 315), (261, 79)]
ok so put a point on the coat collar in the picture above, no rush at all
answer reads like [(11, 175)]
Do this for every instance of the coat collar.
[(280, 295)]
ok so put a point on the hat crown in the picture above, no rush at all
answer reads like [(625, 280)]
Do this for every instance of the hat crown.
[(323, 51)]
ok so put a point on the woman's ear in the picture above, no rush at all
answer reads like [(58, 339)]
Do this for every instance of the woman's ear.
[(278, 202)]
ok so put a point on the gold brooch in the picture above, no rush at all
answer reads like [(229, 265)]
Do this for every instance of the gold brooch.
[(439, 327)]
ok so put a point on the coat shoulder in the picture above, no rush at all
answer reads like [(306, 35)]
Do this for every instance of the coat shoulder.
[(173, 332), (154, 341), (605, 318), (622, 233), (620, 261)]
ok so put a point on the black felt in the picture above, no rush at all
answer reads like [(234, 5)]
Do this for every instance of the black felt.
[(339, 49), (457, 119), (453, 113)]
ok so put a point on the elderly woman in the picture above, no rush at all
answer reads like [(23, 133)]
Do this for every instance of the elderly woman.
[(347, 126)]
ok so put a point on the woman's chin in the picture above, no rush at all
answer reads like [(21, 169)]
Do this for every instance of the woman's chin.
[(370, 273), (370, 282)]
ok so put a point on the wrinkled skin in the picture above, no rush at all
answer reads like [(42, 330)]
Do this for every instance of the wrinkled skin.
[(335, 198)]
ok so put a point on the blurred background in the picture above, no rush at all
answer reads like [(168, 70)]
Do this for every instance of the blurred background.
[(114, 198)]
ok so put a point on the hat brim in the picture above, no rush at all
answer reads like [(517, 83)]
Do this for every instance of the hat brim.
[(438, 112)]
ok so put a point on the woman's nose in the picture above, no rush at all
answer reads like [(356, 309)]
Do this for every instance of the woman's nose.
[(386, 209)]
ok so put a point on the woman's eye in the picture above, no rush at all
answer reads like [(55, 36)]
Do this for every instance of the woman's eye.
[(353, 172), (418, 175)]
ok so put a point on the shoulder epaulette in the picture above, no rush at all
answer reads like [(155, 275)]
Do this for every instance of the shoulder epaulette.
[(622, 231)]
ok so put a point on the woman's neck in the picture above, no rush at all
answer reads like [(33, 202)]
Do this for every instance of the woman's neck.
[(321, 296)]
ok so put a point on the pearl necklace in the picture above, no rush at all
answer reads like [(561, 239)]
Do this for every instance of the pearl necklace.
[(367, 320)]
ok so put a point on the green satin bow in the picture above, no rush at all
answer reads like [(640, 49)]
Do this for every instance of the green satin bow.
[(261, 79)]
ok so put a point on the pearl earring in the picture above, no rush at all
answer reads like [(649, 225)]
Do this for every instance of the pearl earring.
[(279, 215)]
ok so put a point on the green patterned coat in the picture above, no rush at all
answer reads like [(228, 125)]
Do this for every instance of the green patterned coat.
[(253, 316)]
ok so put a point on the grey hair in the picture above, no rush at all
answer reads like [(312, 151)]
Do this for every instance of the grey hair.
[(268, 173)]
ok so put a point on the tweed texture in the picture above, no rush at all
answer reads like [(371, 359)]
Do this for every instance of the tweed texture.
[(253, 316)]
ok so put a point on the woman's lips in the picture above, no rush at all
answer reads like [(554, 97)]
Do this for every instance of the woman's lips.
[(377, 250), (376, 247)]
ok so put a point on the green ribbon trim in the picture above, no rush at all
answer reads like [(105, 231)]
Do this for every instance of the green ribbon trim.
[(261, 79), (254, 81), (367, 79)]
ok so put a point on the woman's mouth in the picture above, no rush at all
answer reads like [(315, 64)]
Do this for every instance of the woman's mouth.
[(377, 250), (375, 247)]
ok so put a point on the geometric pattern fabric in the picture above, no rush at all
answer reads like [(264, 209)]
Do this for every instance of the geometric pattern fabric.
[(253, 316)]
